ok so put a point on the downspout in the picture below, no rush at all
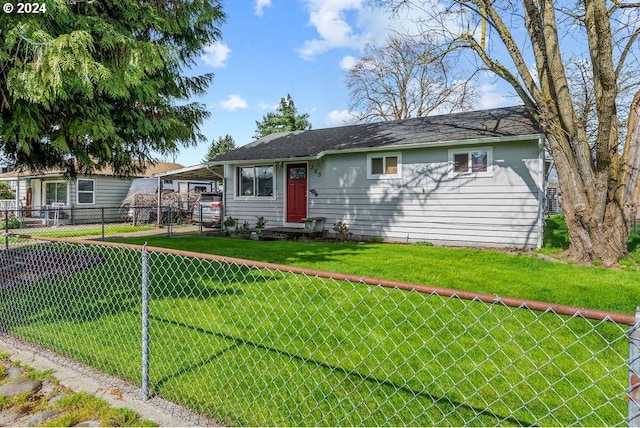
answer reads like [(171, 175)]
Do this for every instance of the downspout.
[(541, 191)]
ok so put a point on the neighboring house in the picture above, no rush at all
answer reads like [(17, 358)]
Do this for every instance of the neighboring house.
[(38, 191), (465, 179)]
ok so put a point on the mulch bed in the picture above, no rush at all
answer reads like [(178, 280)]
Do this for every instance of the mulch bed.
[(26, 265)]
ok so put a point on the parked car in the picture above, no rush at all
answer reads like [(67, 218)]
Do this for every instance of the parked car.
[(208, 209)]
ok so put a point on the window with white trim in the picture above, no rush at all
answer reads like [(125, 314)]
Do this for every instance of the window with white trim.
[(86, 191), (386, 165), (55, 192), (255, 181), (475, 162)]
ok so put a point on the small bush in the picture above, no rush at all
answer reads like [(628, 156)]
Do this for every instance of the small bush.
[(230, 222), (342, 231), (245, 228), (13, 223), (260, 224), (633, 244), (556, 234)]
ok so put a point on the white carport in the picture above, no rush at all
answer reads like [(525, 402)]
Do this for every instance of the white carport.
[(200, 172)]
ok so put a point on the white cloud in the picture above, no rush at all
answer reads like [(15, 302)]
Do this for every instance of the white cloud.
[(233, 102), (348, 62), (490, 96), (340, 118), (261, 105), (353, 23), (329, 17), (261, 5), (216, 54)]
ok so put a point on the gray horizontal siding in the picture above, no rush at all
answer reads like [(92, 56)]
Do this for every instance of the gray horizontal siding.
[(425, 204), (248, 209), (110, 191)]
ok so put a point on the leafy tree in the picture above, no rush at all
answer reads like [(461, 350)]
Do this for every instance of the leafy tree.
[(526, 44), (90, 84), (221, 146), (286, 118), (5, 191), (403, 78)]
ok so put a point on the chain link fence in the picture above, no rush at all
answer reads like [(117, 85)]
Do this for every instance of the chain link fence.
[(105, 222), (246, 343)]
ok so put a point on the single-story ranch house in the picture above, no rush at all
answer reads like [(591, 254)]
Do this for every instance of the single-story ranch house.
[(35, 191), (465, 179)]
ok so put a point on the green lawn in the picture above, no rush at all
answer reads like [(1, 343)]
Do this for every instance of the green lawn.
[(482, 271), (92, 230), (257, 347), (260, 347)]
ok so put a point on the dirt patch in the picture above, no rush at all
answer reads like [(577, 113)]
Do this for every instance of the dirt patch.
[(26, 265)]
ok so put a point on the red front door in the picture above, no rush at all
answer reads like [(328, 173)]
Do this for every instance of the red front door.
[(296, 192)]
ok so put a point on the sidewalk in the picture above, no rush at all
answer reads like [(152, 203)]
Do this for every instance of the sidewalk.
[(108, 388)]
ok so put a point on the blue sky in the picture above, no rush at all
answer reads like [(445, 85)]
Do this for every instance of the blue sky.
[(271, 48)]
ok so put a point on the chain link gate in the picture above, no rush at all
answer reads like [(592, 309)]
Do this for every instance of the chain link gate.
[(254, 344)]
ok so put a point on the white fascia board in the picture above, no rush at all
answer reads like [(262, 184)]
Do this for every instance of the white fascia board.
[(449, 143), (185, 169), (269, 161)]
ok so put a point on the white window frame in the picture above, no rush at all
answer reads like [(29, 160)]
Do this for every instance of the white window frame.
[(254, 196), (384, 156), (78, 191), (469, 173)]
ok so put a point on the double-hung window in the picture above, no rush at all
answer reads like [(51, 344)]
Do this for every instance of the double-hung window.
[(86, 191), (255, 181), (386, 165), (477, 162)]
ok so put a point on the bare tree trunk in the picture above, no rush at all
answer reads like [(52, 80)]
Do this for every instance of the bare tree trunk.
[(600, 221)]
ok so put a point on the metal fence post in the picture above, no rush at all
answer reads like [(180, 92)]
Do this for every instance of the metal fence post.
[(6, 229), (200, 223), (145, 323), (169, 220), (102, 212), (634, 373)]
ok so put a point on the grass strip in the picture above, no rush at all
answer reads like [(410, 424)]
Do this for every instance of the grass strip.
[(93, 231)]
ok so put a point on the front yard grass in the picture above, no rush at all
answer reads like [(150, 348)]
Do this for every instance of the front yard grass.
[(258, 347), (92, 230), (482, 271)]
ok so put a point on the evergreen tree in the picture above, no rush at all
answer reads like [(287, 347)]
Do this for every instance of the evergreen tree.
[(221, 146), (103, 83), (286, 118)]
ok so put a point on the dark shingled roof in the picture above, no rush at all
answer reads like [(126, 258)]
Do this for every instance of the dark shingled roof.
[(499, 122)]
